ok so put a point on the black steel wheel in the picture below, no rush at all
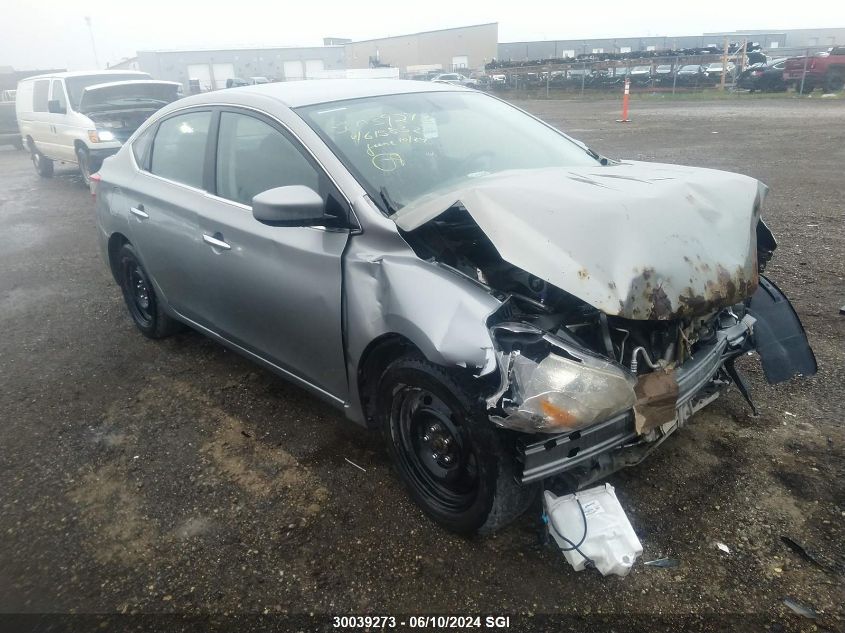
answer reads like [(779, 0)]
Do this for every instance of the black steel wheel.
[(456, 465), (434, 449), (140, 298)]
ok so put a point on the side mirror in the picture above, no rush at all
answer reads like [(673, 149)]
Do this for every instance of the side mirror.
[(55, 107), (295, 205)]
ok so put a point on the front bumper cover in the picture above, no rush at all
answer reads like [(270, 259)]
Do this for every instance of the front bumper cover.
[(784, 351)]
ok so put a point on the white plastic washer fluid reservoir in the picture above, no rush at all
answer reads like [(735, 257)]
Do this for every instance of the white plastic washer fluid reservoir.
[(610, 540)]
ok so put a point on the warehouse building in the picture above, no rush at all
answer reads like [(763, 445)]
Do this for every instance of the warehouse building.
[(210, 69), (466, 47)]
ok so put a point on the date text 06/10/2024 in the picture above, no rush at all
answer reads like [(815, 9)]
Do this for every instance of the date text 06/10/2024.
[(421, 621)]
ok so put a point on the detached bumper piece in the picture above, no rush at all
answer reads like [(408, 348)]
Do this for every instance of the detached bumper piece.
[(779, 337)]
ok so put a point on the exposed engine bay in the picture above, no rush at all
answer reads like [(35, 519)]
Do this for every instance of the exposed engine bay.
[(122, 122), (568, 368), (455, 240)]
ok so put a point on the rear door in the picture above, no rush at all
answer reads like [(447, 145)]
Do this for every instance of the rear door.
[(163, 203), (276, 290)]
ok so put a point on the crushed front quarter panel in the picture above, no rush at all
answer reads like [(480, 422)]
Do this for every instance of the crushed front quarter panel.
[(643, 241)]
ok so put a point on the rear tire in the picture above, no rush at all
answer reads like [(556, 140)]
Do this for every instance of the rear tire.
[(43, 165), (139, 295), (455, 464)]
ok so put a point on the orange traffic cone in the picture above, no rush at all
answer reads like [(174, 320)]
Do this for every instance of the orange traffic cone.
[(625, 98)]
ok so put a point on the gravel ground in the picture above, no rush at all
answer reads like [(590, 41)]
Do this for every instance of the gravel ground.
[(177, 477)]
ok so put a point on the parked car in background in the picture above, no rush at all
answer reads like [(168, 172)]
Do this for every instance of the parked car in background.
[(451, 78), (691, 75), (824, 70), (640, 75), (765, 77), (713, 71), (10, 134), (504, 304), (83, 117)]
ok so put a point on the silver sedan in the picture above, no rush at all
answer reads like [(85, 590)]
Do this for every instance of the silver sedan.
[(503, 303)]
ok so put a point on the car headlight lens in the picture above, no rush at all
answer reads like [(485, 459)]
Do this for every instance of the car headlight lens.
[(100, 136), (555, 387)]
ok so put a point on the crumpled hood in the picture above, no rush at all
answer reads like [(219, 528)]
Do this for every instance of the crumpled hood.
[(633, 239)]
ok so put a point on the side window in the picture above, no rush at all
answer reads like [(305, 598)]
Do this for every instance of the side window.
[(141, 147), (253, 156), (59, 94), (179, 148), (39, 95)]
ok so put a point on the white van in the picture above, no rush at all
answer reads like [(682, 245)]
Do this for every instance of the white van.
[(84, 117)]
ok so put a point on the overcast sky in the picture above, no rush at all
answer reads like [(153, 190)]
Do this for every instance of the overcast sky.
[(53, 34)]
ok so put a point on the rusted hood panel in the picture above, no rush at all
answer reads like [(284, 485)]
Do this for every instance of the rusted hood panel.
[(637, 240)]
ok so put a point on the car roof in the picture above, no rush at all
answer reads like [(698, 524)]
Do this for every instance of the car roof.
[(294, 94), (87, 73)]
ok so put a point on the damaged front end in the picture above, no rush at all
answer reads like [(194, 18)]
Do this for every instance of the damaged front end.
[(587, 413), (595, 382)]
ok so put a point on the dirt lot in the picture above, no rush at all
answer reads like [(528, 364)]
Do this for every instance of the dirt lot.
[(138, 476)]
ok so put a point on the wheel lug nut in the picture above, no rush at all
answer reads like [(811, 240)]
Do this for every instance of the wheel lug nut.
[(433, 428), (448, 459), (435, 456), (426, 438)]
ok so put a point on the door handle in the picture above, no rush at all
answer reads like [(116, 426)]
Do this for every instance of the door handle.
[(139, 211), (216, 242)]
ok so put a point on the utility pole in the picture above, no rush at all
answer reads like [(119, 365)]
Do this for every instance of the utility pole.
[(93, 43), (724, 65)]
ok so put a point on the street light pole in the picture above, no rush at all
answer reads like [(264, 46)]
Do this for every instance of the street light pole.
[(93, 43)]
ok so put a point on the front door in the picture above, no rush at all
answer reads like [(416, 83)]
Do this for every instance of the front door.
[(276, 290)]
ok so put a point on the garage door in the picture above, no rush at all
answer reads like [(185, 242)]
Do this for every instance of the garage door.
[(460, 61), (202, 74), (293, 70), (313, 68), (222, 72)]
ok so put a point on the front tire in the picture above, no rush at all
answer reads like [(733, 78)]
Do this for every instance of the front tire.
[(83, 159), (139, 295), (455, 464)]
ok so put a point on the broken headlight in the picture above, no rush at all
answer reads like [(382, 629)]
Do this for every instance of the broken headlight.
[(553, 386)]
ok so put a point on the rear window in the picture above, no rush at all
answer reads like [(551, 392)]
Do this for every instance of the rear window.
[(39, 95), (178, 151)]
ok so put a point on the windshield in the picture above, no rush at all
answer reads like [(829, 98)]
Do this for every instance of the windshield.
[(401, 147), (75, 85)]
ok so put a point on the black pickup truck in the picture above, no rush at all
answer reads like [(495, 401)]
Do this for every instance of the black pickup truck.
[(9, 132)]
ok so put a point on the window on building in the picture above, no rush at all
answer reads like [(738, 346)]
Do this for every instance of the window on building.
[(179, 148), (624, 49), (651, 48), (774, 45), (598, 50), (253, 156)]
